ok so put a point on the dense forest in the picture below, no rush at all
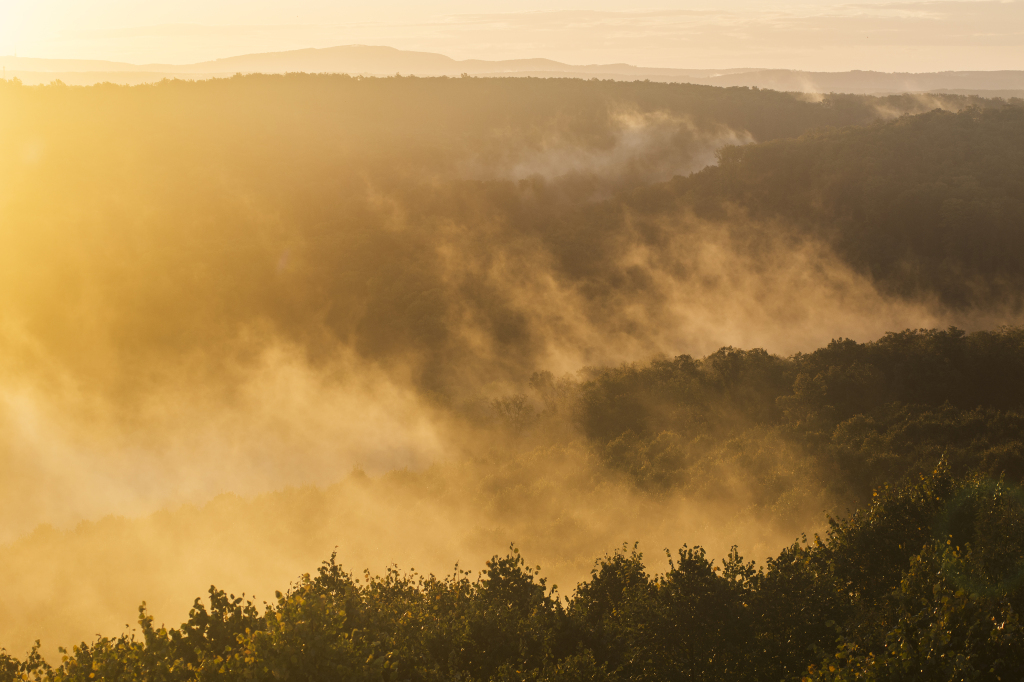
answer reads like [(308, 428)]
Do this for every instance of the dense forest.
[(927, 205), (247, 322), (924, 584), (504, 226), (924, 431)]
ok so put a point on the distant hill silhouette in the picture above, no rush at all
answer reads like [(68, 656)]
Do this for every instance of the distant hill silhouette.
[(371, 60)]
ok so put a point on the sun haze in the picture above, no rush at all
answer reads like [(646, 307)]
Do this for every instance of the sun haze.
[(811, 36), (508, 342)]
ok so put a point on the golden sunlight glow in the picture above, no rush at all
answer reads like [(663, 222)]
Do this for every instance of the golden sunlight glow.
[(442, 287), (833, 36)]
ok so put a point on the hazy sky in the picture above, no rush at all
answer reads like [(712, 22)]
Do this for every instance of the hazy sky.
[(900, 36)]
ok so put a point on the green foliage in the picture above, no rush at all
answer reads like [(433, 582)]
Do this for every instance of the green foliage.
[(320, 213), (929, 204), (853, 416), (926, 583), (408, 218)]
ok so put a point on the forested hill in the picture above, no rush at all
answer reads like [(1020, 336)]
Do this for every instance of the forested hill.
[(921, 430), (486, 227), (929, 204), (860, 415), (447, 109), (924, 585), (533, 313), (926, 582)]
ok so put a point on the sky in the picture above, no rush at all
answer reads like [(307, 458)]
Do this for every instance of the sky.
[(817, 36)]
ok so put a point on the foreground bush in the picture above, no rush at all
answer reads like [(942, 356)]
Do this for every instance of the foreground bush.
[(927, 583)]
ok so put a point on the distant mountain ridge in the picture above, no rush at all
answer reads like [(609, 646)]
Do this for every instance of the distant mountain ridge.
[(355, 59), (370, 60)]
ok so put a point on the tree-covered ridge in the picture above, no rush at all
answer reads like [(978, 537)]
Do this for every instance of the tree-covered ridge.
[(926, 583), (922, 430), (437, 112), (400, 217), (927, 205), (460, 237), (856, 415)]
